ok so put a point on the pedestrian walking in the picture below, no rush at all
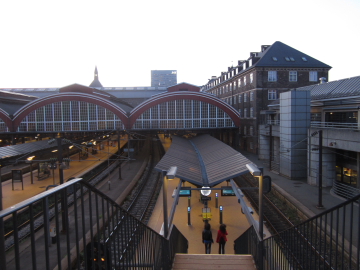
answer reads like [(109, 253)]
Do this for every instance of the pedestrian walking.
[(221, 238), (207, 238)]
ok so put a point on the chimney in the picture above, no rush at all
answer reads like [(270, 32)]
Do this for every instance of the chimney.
[(264, 47), (322, 80)]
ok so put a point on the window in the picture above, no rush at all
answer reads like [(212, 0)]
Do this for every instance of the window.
[(245, 112), (251, 131), (245, 130), (230, 101), (251, 77), (272, 94), (292, 76), (313, 76), (245, 97), (240, 95), (239, 82), (251, 145), (252, 96), (272, 76), (240, 112), (274, 58), (230, 86), (244, 80), (251, 112)]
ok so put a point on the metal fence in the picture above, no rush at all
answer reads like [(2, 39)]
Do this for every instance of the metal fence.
[(327, 241), (74, 226), (344, 190)]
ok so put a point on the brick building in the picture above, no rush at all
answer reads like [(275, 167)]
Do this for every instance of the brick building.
[(256, 82)]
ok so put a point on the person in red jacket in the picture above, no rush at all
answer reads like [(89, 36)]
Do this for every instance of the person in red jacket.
[(221, 238)]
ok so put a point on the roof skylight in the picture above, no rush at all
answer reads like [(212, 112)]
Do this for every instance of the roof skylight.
[(292, 59), (287, 58), (304, 58), (274, 58)]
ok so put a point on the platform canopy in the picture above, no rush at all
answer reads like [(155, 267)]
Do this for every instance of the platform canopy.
[(203, 160), (9, 154)]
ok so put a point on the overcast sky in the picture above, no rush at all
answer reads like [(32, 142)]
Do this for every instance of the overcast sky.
[(58, 43)]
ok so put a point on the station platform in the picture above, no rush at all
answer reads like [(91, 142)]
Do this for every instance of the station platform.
[(303, 195), (77, 168), (236, 222)]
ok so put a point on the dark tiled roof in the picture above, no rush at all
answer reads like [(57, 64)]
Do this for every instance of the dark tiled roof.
[(203, 157), (280, 51)]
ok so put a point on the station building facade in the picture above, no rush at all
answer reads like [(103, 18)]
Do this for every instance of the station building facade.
[(290, 140), (77, 108), (254, 83)]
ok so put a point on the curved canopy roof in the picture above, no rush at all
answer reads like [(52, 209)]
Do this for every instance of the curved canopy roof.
[(203, 160)]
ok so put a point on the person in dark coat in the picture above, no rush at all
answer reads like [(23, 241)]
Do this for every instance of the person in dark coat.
[(207, 238), (221, 238)]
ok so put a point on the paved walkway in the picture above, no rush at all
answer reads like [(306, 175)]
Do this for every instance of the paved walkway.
[(303, 195)]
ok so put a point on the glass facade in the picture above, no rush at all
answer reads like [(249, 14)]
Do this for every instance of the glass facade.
[(70, 116), (183, 114), (3, 126)]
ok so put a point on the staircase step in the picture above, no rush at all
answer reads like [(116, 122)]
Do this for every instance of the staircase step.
[(213, 261)]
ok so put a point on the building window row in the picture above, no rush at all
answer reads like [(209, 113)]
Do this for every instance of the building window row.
[(272, 76)]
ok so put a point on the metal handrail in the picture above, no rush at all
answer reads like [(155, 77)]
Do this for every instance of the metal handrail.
[(319, 124), (329, 240), (88, 229)]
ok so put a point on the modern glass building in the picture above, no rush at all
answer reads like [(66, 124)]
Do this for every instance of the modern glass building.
[(163, 78)]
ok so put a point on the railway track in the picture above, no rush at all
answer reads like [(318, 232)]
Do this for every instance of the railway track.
[(143, 198), (275, 219)]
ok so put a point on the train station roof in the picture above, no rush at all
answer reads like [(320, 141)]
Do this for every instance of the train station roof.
[(9, 154), (203, 160)]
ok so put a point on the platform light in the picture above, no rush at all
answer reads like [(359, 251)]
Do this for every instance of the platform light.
[(253, 169), (205, 191), (171, 173)]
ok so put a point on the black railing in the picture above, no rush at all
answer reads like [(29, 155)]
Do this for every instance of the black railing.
[(81, 228), (327, 241)]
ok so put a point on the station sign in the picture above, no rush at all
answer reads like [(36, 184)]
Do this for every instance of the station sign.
[(227, 191), (185, 192)]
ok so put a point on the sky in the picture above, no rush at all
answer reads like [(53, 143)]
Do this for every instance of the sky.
[(58, 43)]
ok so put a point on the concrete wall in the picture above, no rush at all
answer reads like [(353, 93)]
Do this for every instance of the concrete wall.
[(295, 121)]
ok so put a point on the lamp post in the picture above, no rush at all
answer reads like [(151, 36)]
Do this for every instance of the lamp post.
[(29, 160), (167, 175), (255, 171)]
